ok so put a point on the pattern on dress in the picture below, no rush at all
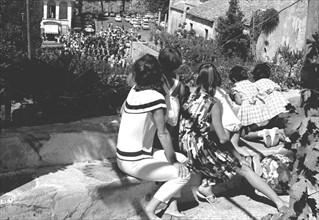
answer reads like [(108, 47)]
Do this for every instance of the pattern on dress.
[(204, 155), (275, 100), (253, 110)]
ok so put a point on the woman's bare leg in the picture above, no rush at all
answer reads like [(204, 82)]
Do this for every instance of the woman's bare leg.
[(259, 184), (151, 207)]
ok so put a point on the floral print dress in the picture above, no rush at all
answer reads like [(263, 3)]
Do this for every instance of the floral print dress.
[(204, 155)]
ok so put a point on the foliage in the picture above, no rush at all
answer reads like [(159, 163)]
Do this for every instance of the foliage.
[(314, 48), (230, 32), (305, 145), (271, 20), (154, 5), (258, 17), (290, 58)]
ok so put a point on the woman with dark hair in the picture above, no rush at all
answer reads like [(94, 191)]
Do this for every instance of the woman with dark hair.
[(208, 147), (176, 92), (143, 116)]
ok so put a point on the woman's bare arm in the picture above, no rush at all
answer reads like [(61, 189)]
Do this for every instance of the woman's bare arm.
[(166, 141), (224, 139), (163, 135)]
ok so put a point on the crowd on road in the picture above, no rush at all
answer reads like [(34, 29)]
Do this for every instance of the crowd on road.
[(111, 44)]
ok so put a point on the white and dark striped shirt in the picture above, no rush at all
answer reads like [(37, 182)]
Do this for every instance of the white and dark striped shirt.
[(137, 129)]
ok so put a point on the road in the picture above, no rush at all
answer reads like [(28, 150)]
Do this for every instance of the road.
[(144, 33)]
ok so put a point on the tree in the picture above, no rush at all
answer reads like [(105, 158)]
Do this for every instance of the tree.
[(155, 5), (230, 32)]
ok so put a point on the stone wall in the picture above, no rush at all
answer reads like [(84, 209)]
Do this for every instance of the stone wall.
[(291, 30), (138, 49)]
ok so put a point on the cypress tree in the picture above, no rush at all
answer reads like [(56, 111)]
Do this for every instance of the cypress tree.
[(230, 32)]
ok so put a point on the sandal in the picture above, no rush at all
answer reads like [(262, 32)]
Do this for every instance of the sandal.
[(267, 138), (274, 134), (171, 216), (202, 198)]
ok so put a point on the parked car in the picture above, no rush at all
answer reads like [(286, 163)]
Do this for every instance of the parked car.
[(133, 20), (89, 28), (136, 24), (162, 24), (145, 19), (112, 14), (145, 26), (118, 18), (127, 18)]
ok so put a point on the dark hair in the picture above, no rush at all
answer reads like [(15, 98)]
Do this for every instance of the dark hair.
[(238, 73), (170, 59), (208, 77), (261, 70), (147, 73)]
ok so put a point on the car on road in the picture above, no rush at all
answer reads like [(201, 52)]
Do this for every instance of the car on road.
[(162, 24), (89, 28), (145, 25), (127, 18), (118, 18), (136, 24), (133, 20)]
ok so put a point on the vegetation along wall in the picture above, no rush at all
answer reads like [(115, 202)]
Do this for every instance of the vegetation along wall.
[(291, 30)]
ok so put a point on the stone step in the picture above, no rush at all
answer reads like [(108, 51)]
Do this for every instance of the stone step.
[(58, 144), (83, 190)]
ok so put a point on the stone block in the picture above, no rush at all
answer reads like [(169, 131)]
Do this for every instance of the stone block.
[(84, 190)]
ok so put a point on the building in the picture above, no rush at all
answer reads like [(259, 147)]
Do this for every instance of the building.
[(57, 17), (202, 16)]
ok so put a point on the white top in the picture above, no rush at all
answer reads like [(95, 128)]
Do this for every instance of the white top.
[(137, 128)]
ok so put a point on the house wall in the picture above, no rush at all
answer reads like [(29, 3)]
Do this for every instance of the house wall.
[(199, 26), (291, 30), (65, 23), (175, 18)]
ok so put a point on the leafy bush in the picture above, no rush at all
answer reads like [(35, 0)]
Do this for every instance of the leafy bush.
[(230, 35), (271, 20)]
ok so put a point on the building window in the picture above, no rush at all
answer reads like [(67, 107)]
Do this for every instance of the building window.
[(51, 9), (63, 10), (206, 34)]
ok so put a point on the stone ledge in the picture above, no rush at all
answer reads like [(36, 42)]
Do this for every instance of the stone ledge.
[(84, 190), (58, 144)]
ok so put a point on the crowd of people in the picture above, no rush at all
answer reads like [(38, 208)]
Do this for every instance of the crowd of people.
[(111, 44), (168, 132)]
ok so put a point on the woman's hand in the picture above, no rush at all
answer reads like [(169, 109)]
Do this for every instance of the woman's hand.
[(244, 162), (183, 171)]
